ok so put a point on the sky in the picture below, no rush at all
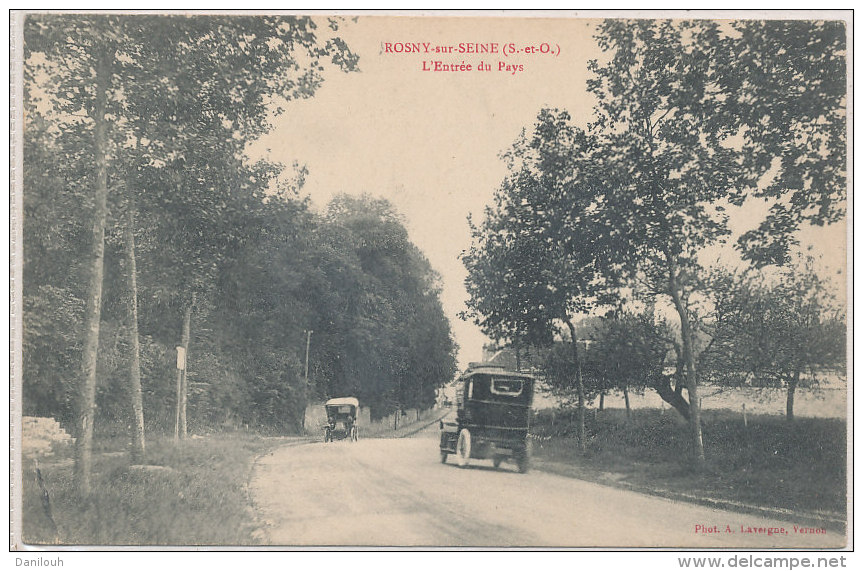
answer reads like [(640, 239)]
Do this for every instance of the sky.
[(430, 141)]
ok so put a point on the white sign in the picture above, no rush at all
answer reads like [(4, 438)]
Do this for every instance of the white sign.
[(181, 358)]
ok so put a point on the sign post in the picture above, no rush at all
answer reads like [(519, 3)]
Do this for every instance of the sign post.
[(181, 367), (181, 358)]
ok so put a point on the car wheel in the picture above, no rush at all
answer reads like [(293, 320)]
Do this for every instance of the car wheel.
[(497, 460), (463, 447), (443, 457), (523, 462)]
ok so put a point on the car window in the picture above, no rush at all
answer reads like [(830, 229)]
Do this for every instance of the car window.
[(506, 386)]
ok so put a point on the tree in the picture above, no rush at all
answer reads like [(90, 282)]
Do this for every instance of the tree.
[(662, 163), (110, 70), (138, 438), (55, 245), (686, 122), (199, 122), (397, 347), (94, 44), (771, 334), (627, 353), (671, 100), (352, 276), (534, 265)]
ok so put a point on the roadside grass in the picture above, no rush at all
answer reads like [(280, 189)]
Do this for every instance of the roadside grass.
[(798, 466), (193, 493)]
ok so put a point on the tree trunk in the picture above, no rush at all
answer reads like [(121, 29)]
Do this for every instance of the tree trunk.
[(579, 383), (789, 403), (86, 397), (601, 400), (626, 400), (672, 397), (138, 449), (689, 360), (180, 426)]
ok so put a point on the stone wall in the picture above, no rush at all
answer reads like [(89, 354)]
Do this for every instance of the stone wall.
[(40, 435)]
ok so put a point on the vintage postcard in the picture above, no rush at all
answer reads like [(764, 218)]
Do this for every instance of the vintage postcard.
[(435, 280)]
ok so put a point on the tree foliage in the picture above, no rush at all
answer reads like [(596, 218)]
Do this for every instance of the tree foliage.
[(535, 263), (785, 332), (692, 118), (785, 83), (185, 96)]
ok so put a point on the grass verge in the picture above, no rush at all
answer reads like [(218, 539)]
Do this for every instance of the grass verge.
[(194, 493), (798, 467)]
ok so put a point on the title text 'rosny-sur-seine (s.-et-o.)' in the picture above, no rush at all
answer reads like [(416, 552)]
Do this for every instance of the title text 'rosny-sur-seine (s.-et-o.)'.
[(503, 57)]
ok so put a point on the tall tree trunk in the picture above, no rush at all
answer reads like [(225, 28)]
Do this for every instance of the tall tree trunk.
[(601, 400), (138, 445), (180, 428), (579, 384), (687, 339), (86, 397), (789, 403), (626, 400)]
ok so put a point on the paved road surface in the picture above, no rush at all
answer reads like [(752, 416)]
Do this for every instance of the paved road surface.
[(395, 492)]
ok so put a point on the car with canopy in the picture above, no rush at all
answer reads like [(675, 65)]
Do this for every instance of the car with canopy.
[(341, 419)]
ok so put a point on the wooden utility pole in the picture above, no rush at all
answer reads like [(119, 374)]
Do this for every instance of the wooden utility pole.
[(308, 346), (307, 390)]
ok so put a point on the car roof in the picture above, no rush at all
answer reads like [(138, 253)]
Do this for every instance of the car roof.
[(343, 400), (489, 369)]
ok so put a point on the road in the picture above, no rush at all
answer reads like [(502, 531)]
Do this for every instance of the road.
[(395, 492)]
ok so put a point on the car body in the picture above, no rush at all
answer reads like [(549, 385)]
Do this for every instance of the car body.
[(492, 417), (341, 419)]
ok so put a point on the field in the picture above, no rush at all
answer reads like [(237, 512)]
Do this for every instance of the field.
[(798, 468), (827, 401)]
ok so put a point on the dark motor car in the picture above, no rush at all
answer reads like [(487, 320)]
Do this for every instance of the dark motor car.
[(492, 417)]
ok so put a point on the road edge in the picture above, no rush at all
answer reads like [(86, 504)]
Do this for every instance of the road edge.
[(828, 521), (259, 526)]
